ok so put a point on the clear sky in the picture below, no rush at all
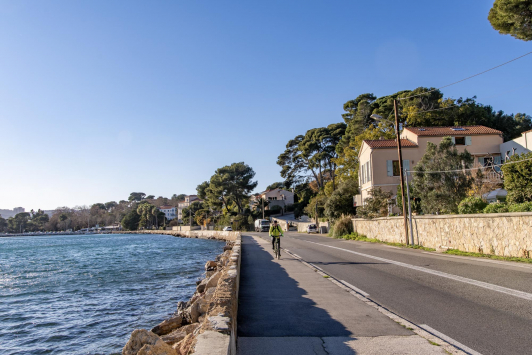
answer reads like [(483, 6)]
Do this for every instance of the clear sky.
[(102, 98)]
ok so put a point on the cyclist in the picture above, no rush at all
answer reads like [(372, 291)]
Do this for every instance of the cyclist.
[(276, 232)]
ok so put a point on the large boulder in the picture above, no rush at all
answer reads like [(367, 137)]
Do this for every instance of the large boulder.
[(213, 280), (168, 325), (144, 342), (174, 337), (211, 265)]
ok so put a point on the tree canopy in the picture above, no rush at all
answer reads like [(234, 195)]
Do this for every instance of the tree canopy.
[(518, 178), (312, 155), (513, 17), (230, 184), (440, 179)]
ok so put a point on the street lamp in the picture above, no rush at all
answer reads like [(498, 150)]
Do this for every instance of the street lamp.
[(400, 154)]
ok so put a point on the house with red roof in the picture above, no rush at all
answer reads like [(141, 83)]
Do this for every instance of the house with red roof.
[(379, 163)]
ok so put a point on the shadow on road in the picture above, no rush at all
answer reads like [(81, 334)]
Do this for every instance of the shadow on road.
[(271, 304)]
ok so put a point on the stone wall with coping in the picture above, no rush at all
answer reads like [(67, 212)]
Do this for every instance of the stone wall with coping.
[(503, 234)]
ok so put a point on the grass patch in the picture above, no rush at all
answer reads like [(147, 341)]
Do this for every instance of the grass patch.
[(363, 238), (326, 276), (489, 256), (433, 343)]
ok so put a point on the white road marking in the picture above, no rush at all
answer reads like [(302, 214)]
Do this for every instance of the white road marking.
[(365, 294), (492, 287), (449, 340), (505, 263)]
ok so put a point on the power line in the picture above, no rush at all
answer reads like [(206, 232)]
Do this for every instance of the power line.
[(469, 77)]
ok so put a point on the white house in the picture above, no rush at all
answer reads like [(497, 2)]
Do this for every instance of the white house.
[(519, 145), (170, 212), (275, 197)]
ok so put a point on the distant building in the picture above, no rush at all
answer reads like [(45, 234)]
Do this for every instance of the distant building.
[(275, 197), (519, 145), (50, 213), (170, 212), (18, 210), (183, 204)]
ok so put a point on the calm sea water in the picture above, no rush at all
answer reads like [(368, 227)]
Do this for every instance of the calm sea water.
[(85, 294)]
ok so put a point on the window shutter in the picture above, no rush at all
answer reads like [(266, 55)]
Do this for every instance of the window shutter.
[(363, 174), (453, 140), (406, 165), (481, 161), (369, 170), (389, 167), (468, 140)]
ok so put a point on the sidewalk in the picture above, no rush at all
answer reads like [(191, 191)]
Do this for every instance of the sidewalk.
[(287, 308)]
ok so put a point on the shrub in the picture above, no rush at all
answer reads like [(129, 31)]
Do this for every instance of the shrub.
[(520, 207), (497, 207), (342, 226), (471, 205)]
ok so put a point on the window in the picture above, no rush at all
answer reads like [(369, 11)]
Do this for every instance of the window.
[(459, 140), (395, 167)]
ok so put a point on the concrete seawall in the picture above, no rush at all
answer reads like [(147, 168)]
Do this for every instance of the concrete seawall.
[(219, 235)]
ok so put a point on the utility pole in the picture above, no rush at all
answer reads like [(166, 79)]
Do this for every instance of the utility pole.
[(262, 199), (400, 168), (409, 209)]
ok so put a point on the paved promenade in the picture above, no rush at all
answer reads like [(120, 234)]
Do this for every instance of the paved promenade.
[(286, 307)]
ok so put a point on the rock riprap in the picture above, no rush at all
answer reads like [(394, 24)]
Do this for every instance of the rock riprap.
[(212, 307)]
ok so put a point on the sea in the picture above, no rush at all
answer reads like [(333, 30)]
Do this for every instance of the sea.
[(85, 294)]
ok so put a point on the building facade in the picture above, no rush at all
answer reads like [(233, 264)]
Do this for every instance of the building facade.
[(183, 204), (275, 197), (521, 145), (170, 212), (379, 163)]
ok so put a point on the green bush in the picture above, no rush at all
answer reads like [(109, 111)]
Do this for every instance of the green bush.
[(497, 207), (520, 207), (342, 226), (471, 205)]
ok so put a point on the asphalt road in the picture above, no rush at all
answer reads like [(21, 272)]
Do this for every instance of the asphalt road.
[(483, 304)]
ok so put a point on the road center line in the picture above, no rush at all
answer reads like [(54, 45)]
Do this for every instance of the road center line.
[(492, 287)]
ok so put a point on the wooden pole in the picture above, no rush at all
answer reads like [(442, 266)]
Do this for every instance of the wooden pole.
[(401, 169)]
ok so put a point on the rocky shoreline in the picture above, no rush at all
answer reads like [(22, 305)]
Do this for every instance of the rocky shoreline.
[(207, 321)]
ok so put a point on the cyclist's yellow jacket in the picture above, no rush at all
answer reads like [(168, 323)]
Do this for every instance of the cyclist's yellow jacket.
[(275, 231)]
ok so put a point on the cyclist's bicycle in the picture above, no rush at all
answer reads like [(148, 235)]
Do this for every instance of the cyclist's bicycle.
[(277, 247)]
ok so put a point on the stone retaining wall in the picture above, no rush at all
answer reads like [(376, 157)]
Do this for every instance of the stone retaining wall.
[(207, 323), (504, 234)]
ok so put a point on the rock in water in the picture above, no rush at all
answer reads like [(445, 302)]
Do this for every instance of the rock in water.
[(168, 325), (144, 342)]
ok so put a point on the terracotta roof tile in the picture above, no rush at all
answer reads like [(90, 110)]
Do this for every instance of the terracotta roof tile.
[(166, 207), (449, 131), (389, 143)]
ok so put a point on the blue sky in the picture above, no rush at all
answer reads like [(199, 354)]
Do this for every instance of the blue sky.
[(102, 98)]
